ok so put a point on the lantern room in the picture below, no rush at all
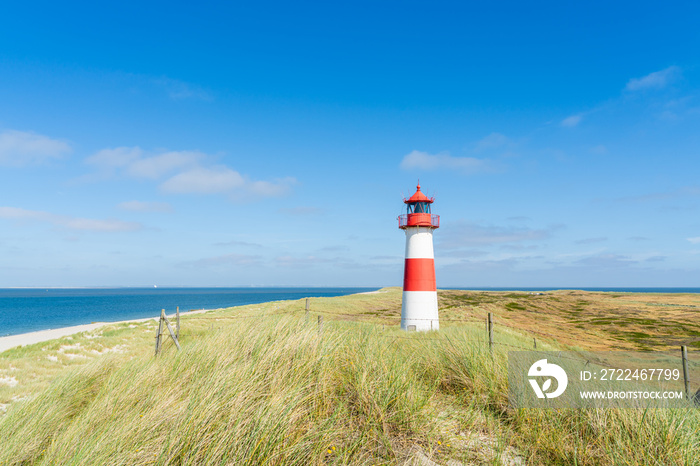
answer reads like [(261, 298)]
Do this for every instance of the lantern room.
[(418, 212)]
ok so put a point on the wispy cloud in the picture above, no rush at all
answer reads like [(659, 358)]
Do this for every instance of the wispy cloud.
[(655, 80), (227, 260), (301, 210), (301, 261), (136, 162), (570, 122), (465, 234), (140, 206), (492, 141), (685, 191), (118, 157), (695, 240), (68, 222), (158, 165), (223, 180), (178, 90), (426, 161), (337, 248), (599, 239), (606, 260), (184, 172), (204, 181), (20, 148), (637, 239), (243, 244)]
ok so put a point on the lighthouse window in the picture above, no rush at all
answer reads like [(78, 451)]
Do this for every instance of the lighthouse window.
[(419, 208)]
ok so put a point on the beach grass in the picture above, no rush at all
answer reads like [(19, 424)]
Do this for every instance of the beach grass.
[(273, 389)]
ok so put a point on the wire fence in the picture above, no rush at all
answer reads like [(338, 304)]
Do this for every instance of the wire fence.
[(488, 339)]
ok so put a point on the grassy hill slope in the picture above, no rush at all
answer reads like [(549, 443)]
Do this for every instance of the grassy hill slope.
[(261, 384)]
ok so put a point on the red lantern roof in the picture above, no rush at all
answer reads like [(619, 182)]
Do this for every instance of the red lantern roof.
[(419, 197)]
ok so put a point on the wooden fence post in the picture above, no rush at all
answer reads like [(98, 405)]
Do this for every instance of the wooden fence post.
[(177, 323), (159, 331), (170, 329), (173, 334), (320, 324), (490, 326), (306, 316), (686, 375), (534, 342)]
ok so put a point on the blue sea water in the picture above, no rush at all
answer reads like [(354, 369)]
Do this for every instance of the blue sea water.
[(29, 310)]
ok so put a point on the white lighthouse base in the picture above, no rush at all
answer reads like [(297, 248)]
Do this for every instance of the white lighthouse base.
[(419, 311)]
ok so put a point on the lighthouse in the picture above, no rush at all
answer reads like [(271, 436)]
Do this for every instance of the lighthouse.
[(419, 307)]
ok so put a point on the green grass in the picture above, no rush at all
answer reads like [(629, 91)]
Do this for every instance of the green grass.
[(273, 390)]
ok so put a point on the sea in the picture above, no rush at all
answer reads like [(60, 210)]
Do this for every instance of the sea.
[(25, 310)]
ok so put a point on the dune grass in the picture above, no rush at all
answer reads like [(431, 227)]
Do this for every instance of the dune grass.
[(275, 390)]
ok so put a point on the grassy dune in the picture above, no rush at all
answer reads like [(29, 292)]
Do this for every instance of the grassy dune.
[(272, 389)]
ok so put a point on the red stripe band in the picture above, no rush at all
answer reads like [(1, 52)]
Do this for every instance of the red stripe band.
[(419, 275)]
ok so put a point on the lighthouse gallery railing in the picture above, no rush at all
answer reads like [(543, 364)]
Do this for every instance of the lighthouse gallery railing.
[(419, 220)]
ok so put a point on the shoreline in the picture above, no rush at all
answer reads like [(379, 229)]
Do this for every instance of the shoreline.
[(121, 309), (39, 336)]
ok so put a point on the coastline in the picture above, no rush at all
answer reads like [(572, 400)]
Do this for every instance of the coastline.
[(33, 310), (30, 338)]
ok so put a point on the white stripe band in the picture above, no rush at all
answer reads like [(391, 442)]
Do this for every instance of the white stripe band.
[(419, 243), (419, 309)]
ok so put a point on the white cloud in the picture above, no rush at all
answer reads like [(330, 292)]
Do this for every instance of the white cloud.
[(301, 210), (655, 80), (278, 188), (223, 180), (425, 161), (228, 260), (70, 223), (162, 164), (139, 206), (606, 260), (301, 262), (571, 121), (695, 240), (183, 172), (492, 141), (204, 181), (598, 239), (178, 90), (244, 244), (136, 162), (118, 157), (19, 148), (462, 234), (680, 193)]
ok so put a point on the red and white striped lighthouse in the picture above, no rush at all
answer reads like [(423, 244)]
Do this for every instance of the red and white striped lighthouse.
[(419, 308)]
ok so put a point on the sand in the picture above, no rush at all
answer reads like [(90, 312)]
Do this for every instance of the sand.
[(30, 338), (45, 335)]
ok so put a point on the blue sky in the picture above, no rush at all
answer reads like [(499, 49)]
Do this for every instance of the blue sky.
[(271, 144)]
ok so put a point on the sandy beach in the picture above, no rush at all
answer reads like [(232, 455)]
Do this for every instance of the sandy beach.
[(44, 335), (30, 338)]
